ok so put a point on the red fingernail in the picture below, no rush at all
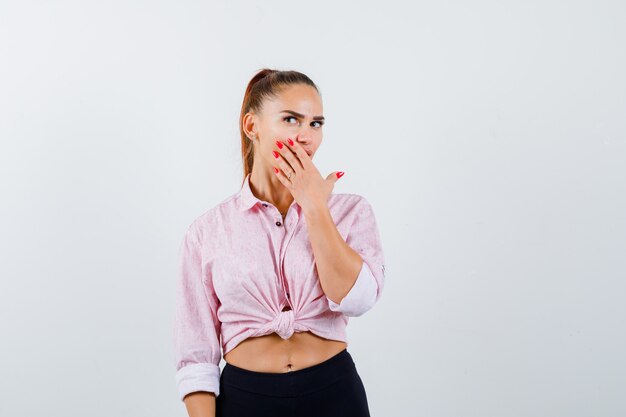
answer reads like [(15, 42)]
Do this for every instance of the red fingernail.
[(279, 144), (290, 141), (276, 169), (340, 174), (275, 154)]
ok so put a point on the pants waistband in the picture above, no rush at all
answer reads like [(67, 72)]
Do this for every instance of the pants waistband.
[(292, 383)]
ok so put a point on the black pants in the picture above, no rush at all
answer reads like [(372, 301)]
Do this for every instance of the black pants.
[(328, 389)]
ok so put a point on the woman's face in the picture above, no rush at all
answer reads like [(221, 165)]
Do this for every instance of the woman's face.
[(295, 113)]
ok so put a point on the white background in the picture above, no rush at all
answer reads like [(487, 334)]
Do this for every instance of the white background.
[(489, 136)]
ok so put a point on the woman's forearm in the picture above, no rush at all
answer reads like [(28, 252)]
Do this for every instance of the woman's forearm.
[(200, 404), (337, 264)]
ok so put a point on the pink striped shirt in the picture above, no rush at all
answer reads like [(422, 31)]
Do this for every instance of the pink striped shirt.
[(241, 264)]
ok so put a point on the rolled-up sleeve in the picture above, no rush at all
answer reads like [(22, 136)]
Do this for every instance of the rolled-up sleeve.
[(197, 349), (364, 238)]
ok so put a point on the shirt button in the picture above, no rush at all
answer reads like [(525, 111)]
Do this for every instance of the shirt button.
[(278, 223)]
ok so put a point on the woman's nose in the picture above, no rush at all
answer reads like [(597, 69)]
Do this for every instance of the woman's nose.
[(302, 138)]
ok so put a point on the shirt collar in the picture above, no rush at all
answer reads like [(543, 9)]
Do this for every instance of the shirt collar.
[(246, 198)]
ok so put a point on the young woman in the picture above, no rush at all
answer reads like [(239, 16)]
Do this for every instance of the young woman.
[(271, 274)]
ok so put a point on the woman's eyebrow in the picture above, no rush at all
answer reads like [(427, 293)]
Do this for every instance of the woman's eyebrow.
[(302, 115)]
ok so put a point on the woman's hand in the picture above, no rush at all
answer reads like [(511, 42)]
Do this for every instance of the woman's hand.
[(301, 177)]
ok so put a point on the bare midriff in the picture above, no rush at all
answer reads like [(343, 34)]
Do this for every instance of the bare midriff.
[(271, 353)]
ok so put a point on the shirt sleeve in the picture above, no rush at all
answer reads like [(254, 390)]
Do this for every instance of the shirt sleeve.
[(364, 238), (197, 349)]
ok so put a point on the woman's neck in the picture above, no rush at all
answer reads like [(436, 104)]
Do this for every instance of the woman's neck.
[(267, 187)]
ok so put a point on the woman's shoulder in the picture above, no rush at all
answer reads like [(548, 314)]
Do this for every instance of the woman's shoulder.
[(202, 224), (347, 201)]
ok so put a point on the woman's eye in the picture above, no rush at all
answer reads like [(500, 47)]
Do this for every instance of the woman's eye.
[(292, 117)]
